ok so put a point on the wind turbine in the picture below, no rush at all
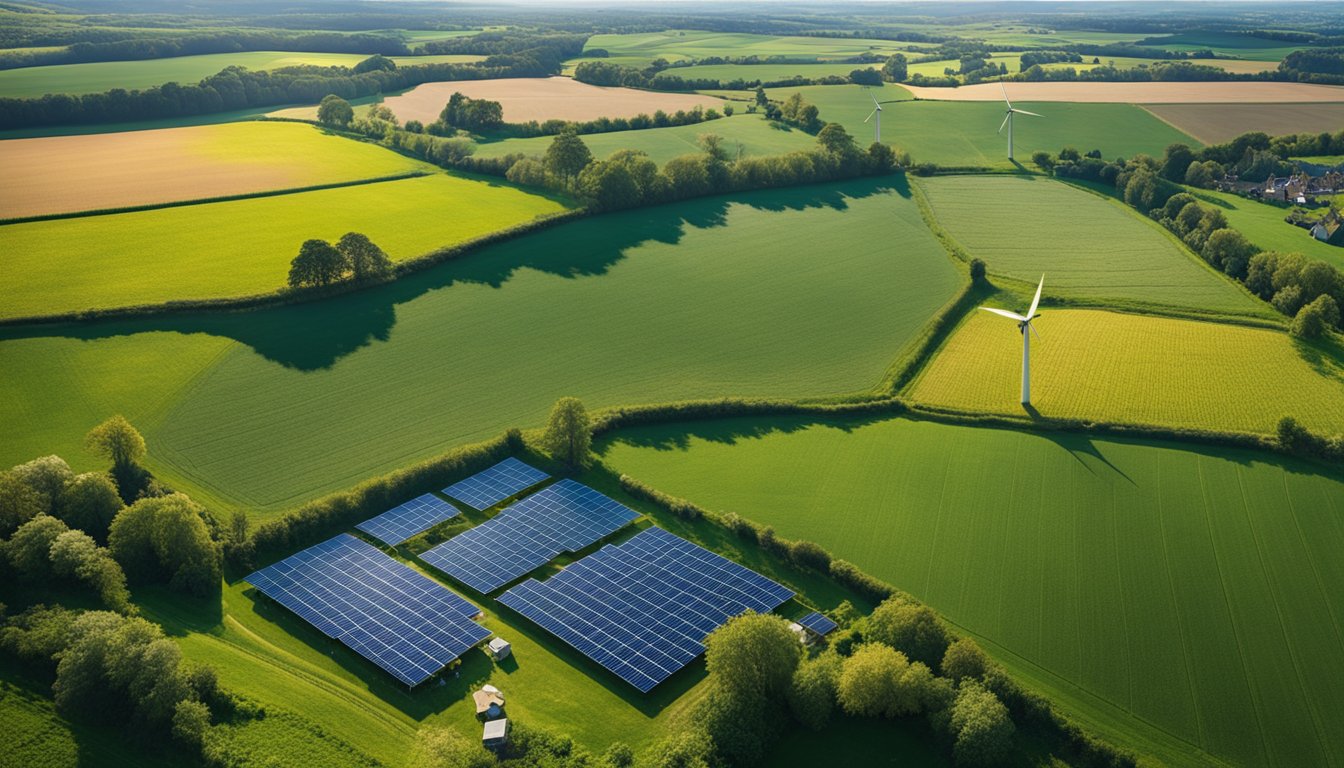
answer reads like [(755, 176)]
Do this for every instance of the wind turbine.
[(1024, 325), (877, 112), (1008, 118)]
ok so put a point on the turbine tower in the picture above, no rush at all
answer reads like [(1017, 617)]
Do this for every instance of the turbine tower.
[(877, 112), (1025, 327), (1008, 118)]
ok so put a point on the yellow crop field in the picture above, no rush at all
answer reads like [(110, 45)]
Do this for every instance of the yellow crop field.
[(1107, 366), (63, 174)]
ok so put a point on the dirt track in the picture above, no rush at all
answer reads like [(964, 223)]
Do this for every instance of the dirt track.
[(541, 99), (1140, 93)]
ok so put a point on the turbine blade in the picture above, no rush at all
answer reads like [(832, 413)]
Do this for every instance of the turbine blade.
[(1034, 332), (1004, 88), (1025, 112), (1005, 313), (1006, 118), (1036, 301), (874, 98), (870, 116)]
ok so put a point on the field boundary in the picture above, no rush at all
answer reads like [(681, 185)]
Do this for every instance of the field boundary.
[(209, 200)]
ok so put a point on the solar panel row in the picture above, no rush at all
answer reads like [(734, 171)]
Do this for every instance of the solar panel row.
[(818, 623), (488, 487), (564, 517), (406, 520), (402, 621), (642, 609)]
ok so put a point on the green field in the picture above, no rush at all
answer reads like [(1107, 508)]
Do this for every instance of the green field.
[(965, 133), (938, 68), (1087, 246), (1264, 226), (96, 77), (751, 132), (243, 246), (1135, 369), (700, 299), (1226, 44), (762, 72), (676, 45), (1169, 597)]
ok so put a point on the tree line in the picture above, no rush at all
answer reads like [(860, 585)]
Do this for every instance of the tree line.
[(237, 88), (199, 44), (1309, 291)]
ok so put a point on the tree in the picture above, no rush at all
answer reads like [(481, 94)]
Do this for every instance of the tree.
[(977, 270), (29, 549), (713, 146), (689, 176), (881, 158), (813, 691), (836, 140), (761, 98), (1176, 161), (19, 503), (1314, 319), (964, 659), (74, 554), (567, 156), (753, 657), (166, 539), (909, 627), (191, 720), (318, 264), (367, 261), (47, 475), (879, 681), (866, 76), (333, 110), (118, 441), (619, 755), (895, 68), (1229, 250), (447, 748), (89, 502), (376, 62), (569, 432), (609, 185), (982, 728), (1043, 160)]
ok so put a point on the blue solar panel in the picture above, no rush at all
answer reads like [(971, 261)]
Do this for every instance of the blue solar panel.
[(642, 609), (818, 623), (488, 487), (402, 522), (564, 517), (395, 617)]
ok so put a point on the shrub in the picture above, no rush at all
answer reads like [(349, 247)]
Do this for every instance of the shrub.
[(964, 659), (28, 550), (438, 747), (981, 727), (879, 681), (812, 694), (808, 554), (1315, 319), (19, 503), (910, 627)]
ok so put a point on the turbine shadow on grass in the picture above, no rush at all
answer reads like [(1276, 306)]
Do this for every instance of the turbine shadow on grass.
[(315, 335)]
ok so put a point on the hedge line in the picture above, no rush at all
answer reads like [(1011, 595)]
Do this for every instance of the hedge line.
[(205, 200), (319, 520)]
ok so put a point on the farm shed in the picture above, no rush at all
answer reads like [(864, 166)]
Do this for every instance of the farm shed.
[(495, 734)]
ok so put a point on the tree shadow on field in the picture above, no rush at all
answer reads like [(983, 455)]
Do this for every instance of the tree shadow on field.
[(1325, 356), (677, 436), (313, 336)]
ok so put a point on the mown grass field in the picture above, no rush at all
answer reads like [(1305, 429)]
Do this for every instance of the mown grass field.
[(1088, 247), (96, 77), (1174, 599), (1133, 369), (965, 133), (700, 299), (114, 170), (938, 68), (1264, 226), (762, 72), (677, 44), (242, 246), (1215, 123), (749, 132), (1225, 44)]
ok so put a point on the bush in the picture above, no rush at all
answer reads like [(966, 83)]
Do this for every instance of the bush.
[(438, 747), (879, 681), (964, 659), (807, 554), (909, 627), (981, 727), (191, 720), (812, 695), (19, 503), (28, 550), (1317, 318)]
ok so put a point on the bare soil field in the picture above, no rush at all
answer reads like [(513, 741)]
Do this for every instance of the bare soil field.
[(1141, 93), (1214, 123), (65, 174), (540, 99)]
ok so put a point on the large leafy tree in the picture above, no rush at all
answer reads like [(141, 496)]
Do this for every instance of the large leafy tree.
[(117, 440), (753, 656), (569, 432), (333, 110), (165, 538), (89, 502), (909, 627), (19, 503), (567, 156), (318, 264), (367, 261)]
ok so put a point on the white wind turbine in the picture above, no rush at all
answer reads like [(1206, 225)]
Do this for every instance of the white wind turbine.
[(877, 112), (1008, 118), (1024, 326)]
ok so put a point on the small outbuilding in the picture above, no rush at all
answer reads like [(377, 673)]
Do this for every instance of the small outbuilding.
[(489, 703), (499, 649), (495, 734)]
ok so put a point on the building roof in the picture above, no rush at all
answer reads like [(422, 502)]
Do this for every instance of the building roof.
[(495, 729)]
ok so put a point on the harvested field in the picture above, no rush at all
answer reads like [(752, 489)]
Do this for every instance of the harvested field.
[(559, 98), (117, 170), (1214, 123), (1141, 93), (1135, 369)]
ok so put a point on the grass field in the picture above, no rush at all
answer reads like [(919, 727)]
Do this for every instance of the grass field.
[(752, 133), (543, 99), (96, 77), (1225, 44), (206, 251), (675, 45), (1168, 597), (1215, 123), (964, 134), (1133, 369), (1233, 92), (1087, 246), (938, 68), (762, 72), (113, 170), (617, 309), (1264, 226)]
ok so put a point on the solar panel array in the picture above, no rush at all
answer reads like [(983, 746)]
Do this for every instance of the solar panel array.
[(406, 520), (408, 624), (642, 609), (564, 517), (488, 487), (818, 623)]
